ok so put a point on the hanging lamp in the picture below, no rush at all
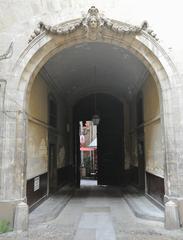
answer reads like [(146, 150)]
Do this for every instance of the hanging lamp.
[(95, 118)]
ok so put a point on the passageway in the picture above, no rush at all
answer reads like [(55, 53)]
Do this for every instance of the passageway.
[(93, 213), (74, 85), (116, 76)]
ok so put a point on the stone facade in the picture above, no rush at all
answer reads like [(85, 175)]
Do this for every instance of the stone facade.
[(62, 25)]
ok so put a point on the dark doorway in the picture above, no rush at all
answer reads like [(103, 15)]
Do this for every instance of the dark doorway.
[(110, 149), (52, 167), (140, 143)]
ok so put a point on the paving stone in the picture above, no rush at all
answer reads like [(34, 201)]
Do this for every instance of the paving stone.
[(97, 213)]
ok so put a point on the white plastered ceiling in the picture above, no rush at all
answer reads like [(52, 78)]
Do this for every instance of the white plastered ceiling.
[(118, 71)]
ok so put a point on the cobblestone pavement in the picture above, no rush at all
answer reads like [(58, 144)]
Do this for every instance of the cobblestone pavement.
[(97, 213)]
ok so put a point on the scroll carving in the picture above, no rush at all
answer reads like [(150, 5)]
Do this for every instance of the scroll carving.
[(8, 53), (93, 23)]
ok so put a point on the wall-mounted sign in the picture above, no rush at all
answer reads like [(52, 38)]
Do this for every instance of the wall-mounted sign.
[(36, 183)]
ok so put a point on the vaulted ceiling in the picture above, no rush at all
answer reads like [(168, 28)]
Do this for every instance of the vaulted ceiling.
[(118, 71)]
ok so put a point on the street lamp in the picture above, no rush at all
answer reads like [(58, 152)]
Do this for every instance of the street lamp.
[(96, 120)]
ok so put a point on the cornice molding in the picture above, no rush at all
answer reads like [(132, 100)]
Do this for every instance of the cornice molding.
[(92, 24)]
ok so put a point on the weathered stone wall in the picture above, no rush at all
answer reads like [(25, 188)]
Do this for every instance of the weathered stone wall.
[(17, 22), (19, 18)]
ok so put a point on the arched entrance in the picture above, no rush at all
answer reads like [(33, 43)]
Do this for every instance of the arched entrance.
[(47, 41)]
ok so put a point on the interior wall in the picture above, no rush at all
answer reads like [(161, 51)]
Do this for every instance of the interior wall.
[(154, 155), (152, 129), (37, 147), (126, 134), (133, 171), (40, 135), (133, 133), (37, 154)]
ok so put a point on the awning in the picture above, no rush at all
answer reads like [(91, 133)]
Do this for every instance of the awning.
[(87, 149), (93, 143)]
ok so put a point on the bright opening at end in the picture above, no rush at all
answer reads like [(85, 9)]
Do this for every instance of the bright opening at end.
[(88, 153)]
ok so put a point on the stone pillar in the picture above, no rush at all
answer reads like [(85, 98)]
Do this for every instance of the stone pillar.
[(173, 126), (21, 217), (171, 216), (2, 97), (13, 161), (181, 211)]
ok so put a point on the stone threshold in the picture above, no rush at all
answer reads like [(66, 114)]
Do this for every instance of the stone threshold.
[(52, 206), (141, 206)]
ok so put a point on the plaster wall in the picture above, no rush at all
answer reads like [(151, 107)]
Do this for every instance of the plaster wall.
[(134, 156), (39, 130), (37, 154), (152, 129), (37, 145), (154, 155), (38, 104), (151, 100), (133, 134), (63, 135)]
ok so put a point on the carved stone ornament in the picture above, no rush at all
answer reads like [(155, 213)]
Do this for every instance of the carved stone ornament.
[(93, 23), (8, 53)]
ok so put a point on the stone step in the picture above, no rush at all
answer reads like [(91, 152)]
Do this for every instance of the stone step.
[(143, 207), (51, 207)]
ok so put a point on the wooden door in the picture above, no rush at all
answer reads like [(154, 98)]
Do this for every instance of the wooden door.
[(110, 148)]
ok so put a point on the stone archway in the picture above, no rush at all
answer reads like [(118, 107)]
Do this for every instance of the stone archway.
[(47, 41)]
